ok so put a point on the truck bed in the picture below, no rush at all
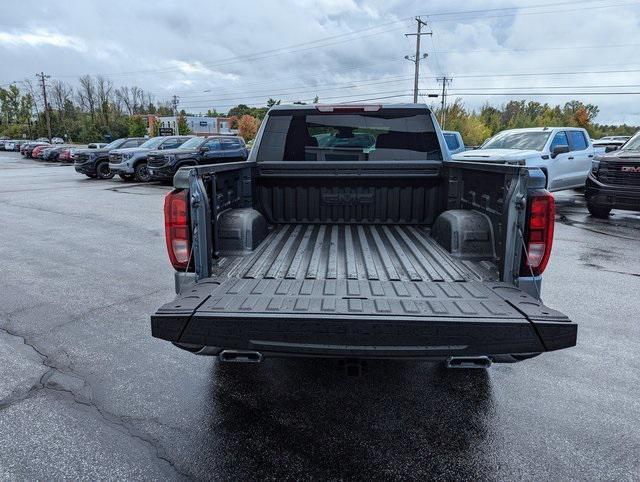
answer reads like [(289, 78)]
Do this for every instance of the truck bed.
[(359, 290), (353, 252)]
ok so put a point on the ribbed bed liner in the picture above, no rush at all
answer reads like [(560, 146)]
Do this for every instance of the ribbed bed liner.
[(353, 252)]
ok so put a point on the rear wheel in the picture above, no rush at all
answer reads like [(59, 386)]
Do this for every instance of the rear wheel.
[(598, 212), (142, 173), (103, 171)]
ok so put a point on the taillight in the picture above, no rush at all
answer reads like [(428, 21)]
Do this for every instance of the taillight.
[(539, 233), (177, 229)]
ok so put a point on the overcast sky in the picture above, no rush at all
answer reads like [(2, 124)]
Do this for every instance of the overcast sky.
[(221, 53)]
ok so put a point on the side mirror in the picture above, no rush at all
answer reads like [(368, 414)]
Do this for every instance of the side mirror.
[(610, 148), (559, 150)]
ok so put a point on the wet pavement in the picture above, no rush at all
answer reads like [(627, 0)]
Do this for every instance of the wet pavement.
[(85, 391)]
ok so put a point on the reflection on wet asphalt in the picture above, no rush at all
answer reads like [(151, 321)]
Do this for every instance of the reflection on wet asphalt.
[(86, 391)]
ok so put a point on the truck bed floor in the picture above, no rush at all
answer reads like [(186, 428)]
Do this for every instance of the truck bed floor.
[(353, 252)]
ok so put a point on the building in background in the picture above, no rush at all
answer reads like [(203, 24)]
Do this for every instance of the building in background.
[(198, 125)]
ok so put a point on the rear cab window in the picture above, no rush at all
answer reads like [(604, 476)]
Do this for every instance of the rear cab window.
[(393, 134), (452, 141)]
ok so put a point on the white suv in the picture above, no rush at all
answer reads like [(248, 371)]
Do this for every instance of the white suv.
[(563, 153)]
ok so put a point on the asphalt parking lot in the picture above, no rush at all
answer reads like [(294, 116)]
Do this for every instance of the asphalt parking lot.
[(86, 392)]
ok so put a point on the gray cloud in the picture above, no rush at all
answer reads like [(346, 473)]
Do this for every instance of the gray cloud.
[(215, 54)]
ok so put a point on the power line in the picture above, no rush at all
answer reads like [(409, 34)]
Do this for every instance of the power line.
[(294, 48), (297, 100), (308, 89), (517, 7), (584, 8), (252, 57), (606, 86), (526, 74), (544, 93)]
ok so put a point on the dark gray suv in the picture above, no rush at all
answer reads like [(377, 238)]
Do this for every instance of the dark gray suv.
[(95, 162)]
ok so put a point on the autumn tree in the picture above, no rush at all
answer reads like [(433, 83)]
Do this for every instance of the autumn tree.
[(248, 127)]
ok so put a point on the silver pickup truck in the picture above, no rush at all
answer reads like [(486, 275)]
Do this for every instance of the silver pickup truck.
[(347, 234)]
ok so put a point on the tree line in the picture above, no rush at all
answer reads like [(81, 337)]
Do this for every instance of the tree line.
[(476, 126), (95, 109), (91, 111)]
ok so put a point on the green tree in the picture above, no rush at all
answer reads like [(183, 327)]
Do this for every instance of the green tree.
[(137, 127), (183, 127)]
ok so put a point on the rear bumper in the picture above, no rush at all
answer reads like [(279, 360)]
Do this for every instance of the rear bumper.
[(614, 197)]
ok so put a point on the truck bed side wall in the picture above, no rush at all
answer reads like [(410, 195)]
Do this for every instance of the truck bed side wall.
[(499, 192)]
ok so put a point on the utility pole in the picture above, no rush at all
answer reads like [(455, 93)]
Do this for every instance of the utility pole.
[(43, 84), (417, 57), (174, 102), (445, 80)]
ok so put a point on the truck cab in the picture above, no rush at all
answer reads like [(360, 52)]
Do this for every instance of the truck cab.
[(349, 234)]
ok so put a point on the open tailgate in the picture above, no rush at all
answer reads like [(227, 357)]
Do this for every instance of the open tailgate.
[(325, 317)]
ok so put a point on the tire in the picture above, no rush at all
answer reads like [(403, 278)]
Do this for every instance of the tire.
[(127, 177), (142, 173), (598, 212), (103, 171), (90, 175)]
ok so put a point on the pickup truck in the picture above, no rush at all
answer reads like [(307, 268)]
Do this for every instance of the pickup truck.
[(383, 251), (163, 164), (564, 154), (614, 180)]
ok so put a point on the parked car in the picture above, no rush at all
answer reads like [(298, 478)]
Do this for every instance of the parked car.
[(602, 146), (67, 154), (564, 154), (196, 151), (14, 144), (454, 141), (131, 163), (57, 140), (614, 180), (52, 154), (374, 252), (43, 139), (95, 162), (27, 148), (18, 144), (96, 145), (37, 151)]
